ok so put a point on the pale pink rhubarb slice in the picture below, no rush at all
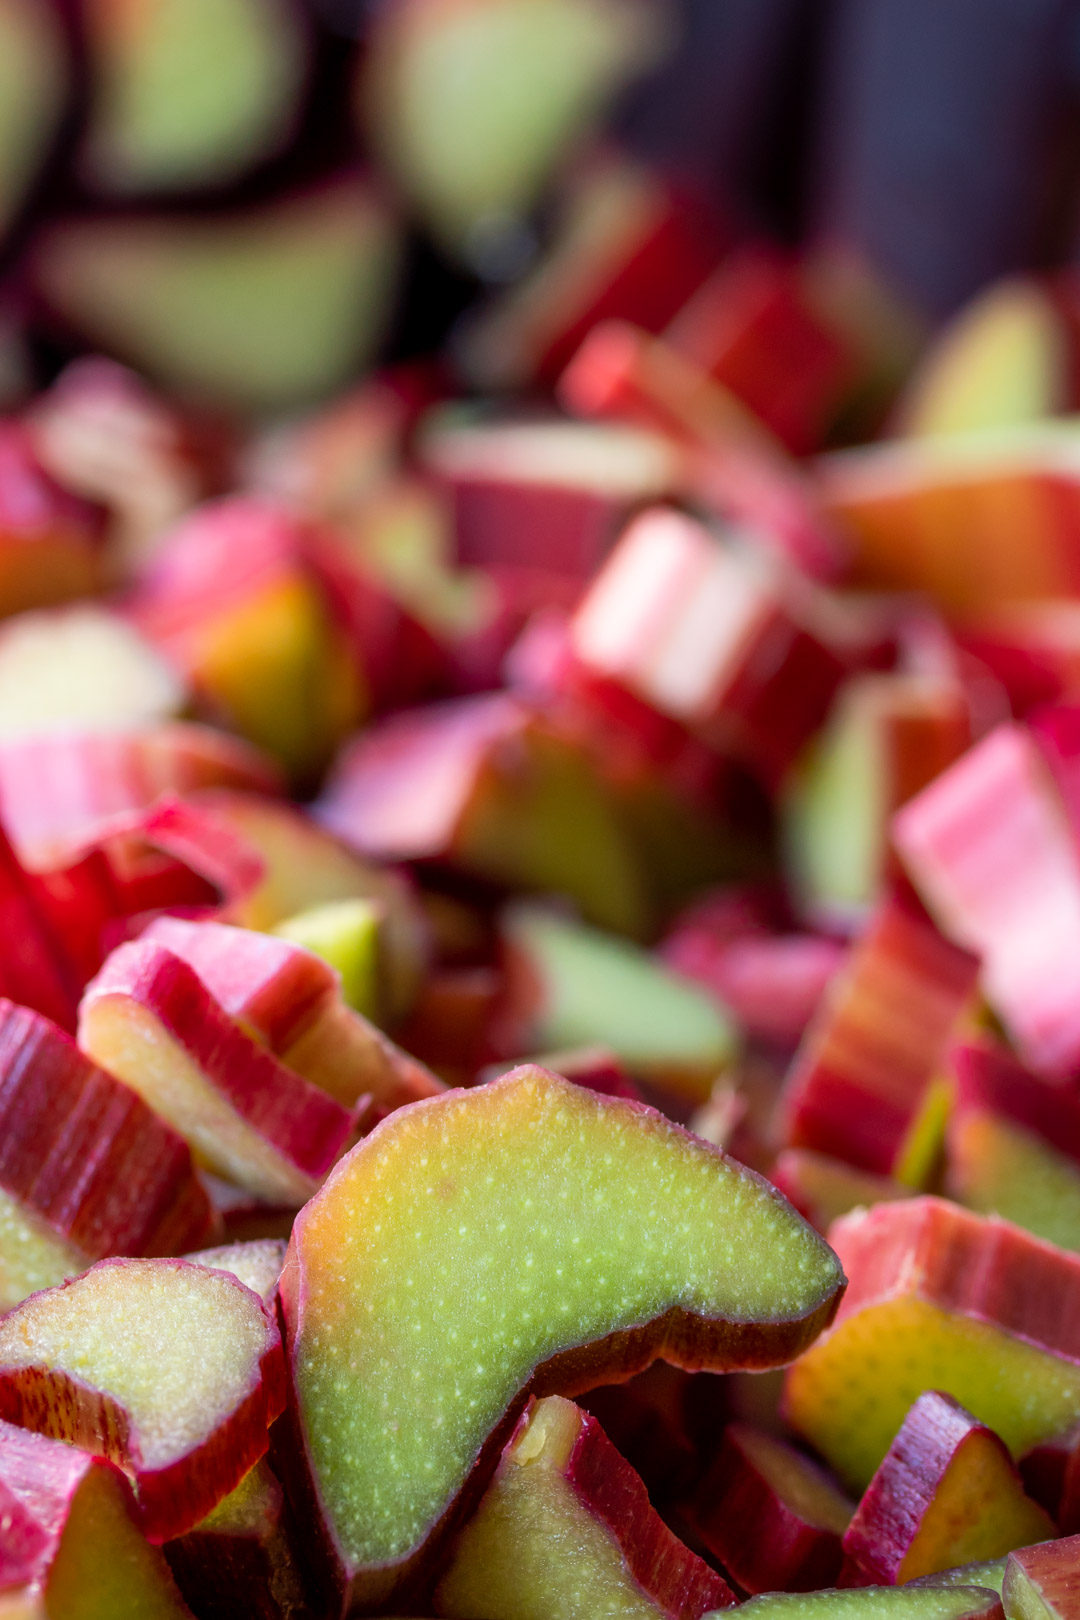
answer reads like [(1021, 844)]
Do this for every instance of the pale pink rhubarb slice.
[(169, 1369), (939, 1298), (149, 1019), (528, 1235), (947, 1493), (566, 1528), (1043, 1582), (71, 1548)]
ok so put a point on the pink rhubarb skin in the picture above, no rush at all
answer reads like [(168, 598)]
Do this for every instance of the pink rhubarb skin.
[(864, 1073), (991, 850), (39, 974), (175, 1495), (84, 1152), (1043, 1582), (609, 1495), (305, 1129), (988, 1078)]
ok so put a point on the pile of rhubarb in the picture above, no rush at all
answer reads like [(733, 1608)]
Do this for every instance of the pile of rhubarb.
[(539, 861)]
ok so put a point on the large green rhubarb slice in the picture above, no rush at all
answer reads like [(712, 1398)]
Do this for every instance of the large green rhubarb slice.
[(525, 1236), (876, 1603)]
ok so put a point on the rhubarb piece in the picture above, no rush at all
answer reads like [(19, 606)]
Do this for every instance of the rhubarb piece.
[(823, 1188), (711, 636), (34, 75), (543, 493), (240, 1559), (151, 1020), (1032, 649), (490, 785), (868, 1083), (169, 1369), (947, 1493), (188, 95), (39, 974), (772, 1517), (939, 1298), (566, 985), (1003, 360), (345, 934), (258, 310), (256, 1264), (566, 1528), (471, 105), (1040, 1582), (52, 544), (72, 1548), (1013, 1145), (86, 1170), (887, 736), (772, 983), (989, 1573), (878, 1603), (642, 1251), (991, 851), (290, 1000), (1044, 1470)]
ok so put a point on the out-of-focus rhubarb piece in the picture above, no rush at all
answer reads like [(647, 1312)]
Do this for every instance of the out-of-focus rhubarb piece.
[(345, 934), (914, 1602), (52, 543), (947, 1493), (628, 245), (258, 310), (868, 1084), (647, 1419), (72, 1547), (887, 736), (169, 1369), (1031, 648), (39, 973), (86, 1169), (151, 1020), (490, 785), (627, 1237), (304, 865), (34, 82), (939, 1298), (188, 96), (1044, 1469), (240, 1559), (823, 1188), (1068, 1505), (1041, 1582), (753, 327), (290, 1000), (471, 106), (1003, 360), (256, 1263), (732, 464), (991, 851), (977, 522), (566, 1527), (81, 668), (706, 631), (771, 1517), (1013, 1144), (566, 985), (543, 493), (453, 1020), (59, 791), (246, 1218)]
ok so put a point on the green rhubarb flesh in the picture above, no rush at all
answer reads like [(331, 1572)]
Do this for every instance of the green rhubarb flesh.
[(104, 1569), (347, 935), (996, 1167), (989, 1573), (871, 1603), (32, 1255), (834, 817), (469, 1240)]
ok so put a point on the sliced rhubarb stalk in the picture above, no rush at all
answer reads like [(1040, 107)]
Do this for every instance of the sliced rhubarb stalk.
[(1040, 1582), (989, 1573), (668, 1279), (712, 637), (771, 1517), (150, 1020), (52, 544), (256, 1264), (991, 851), (39, 974), (878, 1603), (947, 1493), (34, 72), (823, 1188), (772, 984), (939, 1298), (345, 934), (567, 1518), (169, 1369), (240, 1559), (72, 1548), (868, 1083)]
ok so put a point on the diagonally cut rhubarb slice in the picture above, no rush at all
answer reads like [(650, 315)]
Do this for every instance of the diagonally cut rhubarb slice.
[(566, 1527), (1041, 1582), (169, 1369), (526, 1235)]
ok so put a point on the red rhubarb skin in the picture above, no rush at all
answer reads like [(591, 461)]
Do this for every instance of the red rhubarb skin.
[(301, 1122), (38, 1478), (87, 1154), (1053, 1569), (38, 973), (172, 1498), (989, 1079)]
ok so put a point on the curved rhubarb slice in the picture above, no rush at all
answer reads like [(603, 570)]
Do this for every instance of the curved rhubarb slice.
[(1041, 1582), (529, 1235), (947, 1493), (877, 1603), (940, 1298), (86, 1169), (566, 1527), (169, 1369), (71, 1548), (150, 1020)]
